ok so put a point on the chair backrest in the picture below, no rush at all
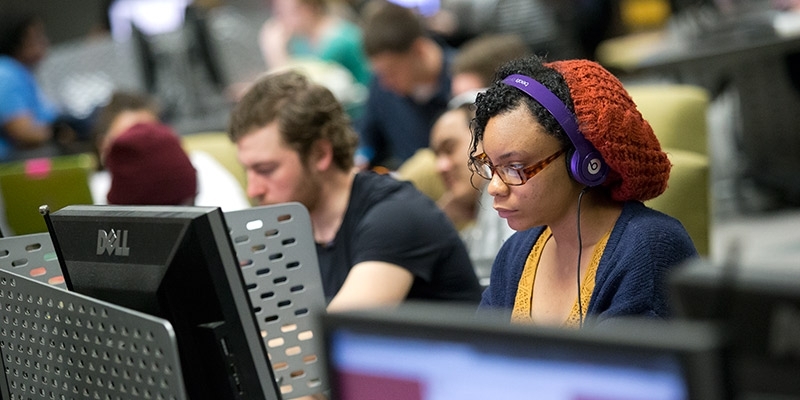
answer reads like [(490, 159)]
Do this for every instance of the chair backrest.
[(687, 197), (678, 115), (420, 170), (57, 182), (217, 145)]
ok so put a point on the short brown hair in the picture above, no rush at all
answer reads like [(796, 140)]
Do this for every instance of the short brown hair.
[(120, 102), (305, 112), (391, 28), (484, 54)]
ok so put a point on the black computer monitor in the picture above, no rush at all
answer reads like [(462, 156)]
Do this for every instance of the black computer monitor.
[(429, 351), (758, 308), (177, 263)]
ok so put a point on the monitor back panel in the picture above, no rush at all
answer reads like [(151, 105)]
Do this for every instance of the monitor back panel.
[(176, 263), (57, 344)]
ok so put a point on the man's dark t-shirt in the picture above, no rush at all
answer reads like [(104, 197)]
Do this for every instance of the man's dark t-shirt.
[(391, 221)]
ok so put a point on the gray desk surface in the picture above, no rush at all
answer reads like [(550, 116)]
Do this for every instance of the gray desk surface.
[(667, 49)]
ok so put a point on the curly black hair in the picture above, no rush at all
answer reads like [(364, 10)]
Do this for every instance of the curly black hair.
[(500, 98)]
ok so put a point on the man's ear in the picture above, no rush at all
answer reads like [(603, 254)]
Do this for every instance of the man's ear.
[(321, 156)]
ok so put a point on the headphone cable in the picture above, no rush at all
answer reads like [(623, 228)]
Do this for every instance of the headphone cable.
[(580, 249)]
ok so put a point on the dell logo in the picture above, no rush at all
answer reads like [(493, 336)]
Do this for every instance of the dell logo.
[(113, 242), (521, 81)]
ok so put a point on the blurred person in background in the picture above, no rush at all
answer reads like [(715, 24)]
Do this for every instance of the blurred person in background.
[(148, 166), (465, 200), (215, 187), (309, 29), (472, 70), (477, 61), (410, 88), (27, 118)]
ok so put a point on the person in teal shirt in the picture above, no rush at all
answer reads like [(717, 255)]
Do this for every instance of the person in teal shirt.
[(302, 29)]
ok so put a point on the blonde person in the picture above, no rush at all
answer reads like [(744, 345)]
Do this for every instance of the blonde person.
[(441, 172)]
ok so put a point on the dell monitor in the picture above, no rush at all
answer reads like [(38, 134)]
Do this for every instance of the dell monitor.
[(179, 264)]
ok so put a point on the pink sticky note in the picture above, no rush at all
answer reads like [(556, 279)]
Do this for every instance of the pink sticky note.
[(38, 167)]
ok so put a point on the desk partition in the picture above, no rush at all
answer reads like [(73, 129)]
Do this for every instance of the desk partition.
[(33, 256), (57, 344), (276, 250), (61, 344)]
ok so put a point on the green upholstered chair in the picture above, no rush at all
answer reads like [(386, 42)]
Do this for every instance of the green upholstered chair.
[(687, 195), (678, 115), (420, 170), (56, 182), (219, 146)]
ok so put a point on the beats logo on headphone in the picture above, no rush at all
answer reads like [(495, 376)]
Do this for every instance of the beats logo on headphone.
[(595, 165), (586, 165)]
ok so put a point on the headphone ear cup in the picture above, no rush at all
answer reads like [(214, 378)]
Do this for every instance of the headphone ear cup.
[(592, 168), (589, 169)]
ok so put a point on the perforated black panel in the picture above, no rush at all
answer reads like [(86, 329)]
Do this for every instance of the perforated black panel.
[(57, 344), (33, 256), (276, 251)]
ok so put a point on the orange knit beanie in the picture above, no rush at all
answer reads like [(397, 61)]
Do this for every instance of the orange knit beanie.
[(609, 119)]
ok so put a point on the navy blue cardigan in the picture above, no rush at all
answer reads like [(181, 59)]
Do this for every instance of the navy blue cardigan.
[(632, 275)]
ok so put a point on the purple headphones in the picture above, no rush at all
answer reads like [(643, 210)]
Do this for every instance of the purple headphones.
[(586, 165)]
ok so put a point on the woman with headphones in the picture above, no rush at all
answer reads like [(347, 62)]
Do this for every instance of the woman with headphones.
[(570, 161)]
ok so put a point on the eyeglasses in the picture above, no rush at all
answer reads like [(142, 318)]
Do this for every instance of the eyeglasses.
[(512, 176)]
